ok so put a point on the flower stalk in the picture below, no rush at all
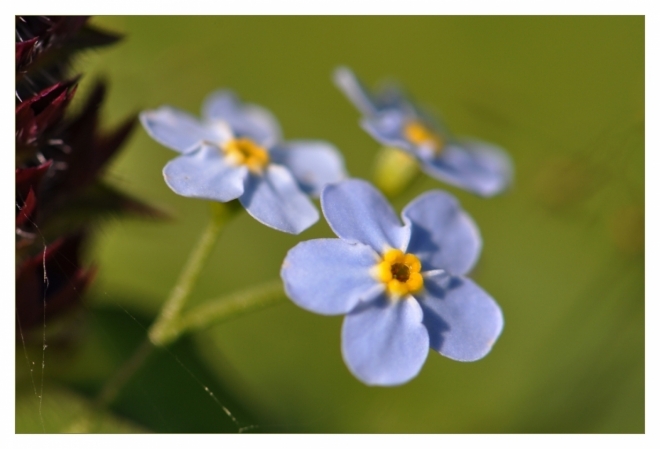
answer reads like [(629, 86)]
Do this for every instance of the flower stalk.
[(116, 383), (229, 307), (197, 319), (163, 331)]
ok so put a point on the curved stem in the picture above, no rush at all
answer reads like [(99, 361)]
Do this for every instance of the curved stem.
[(231, 306), (111, 388), (160, 332), (198, 318)]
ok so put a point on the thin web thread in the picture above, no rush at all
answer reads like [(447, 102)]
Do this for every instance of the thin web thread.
[(230, 415), (44, 346), (39, 395), (20, 330), (90, 422), (29, 365)]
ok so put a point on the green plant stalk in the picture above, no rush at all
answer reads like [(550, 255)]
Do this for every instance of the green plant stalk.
[(170, 324), (198, 318), (110, 390), (161, 332), (230, 306)]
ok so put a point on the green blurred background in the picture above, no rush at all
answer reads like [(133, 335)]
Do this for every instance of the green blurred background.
[(563, 250)]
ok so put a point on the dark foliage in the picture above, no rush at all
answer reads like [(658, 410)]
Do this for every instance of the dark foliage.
[(60, 160)]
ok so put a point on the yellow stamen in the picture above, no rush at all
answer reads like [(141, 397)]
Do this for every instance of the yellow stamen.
[(415, 282), (413, 262), (392, 255), (397, 288), (384, 271), (419, 134), (244, 151), (399, 272)]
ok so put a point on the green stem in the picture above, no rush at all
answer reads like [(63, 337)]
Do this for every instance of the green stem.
[(125, 372), (88, 422), (198, 318), (170, 325), (231, 306), (160, 332)]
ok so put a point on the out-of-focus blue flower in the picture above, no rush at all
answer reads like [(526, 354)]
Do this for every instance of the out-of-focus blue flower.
[(402, 287), (394, 120), (236, 151)]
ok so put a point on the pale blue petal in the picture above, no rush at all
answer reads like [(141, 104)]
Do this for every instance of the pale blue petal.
[(434, 120), (275, 200), (177, 129), (442, 234), (357, 212), (463, 321), (387, 128), (479, 167), (245, 120), (353, 88), (385, 342), (390, 95), (205, 173), (313, 163), (330, 276)]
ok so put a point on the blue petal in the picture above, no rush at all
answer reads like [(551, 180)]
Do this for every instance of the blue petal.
[(390, 95), (357, 212), (442, 234), (385, 342), (463, 321), (178, 130), (387, 128), (312, 162), (369, 102), (359, 95), (330, 276), (205, 173), (479, 167), (245, 120), (275, 200)]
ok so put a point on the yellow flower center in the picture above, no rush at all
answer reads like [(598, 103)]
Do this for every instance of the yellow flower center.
[(399, 272), (245, 152), (419, 134)]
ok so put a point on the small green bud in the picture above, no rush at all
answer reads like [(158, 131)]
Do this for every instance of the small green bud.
[(394, 171)]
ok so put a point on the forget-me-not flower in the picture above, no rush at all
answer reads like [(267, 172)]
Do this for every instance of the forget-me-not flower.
[(402, 287), (394, 120), (236, 152)]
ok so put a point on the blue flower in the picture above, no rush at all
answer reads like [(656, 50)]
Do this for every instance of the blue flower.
[(402, 287), (236, 151), (395, 121)]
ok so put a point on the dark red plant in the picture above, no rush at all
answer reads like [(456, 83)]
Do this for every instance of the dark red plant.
[(60, 158)]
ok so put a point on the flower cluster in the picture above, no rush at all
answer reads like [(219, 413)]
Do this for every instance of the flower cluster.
[(401, 285)]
